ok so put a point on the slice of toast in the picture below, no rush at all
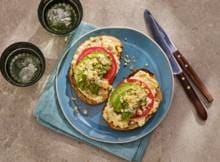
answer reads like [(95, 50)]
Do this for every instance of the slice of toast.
[(133, 123), (110, 43)]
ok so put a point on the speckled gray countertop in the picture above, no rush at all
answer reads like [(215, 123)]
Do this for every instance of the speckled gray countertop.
[(194, 25)]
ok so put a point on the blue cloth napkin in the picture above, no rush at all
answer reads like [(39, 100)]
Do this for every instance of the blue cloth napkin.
[(48, 114)]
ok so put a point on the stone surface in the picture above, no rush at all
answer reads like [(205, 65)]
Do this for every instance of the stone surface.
[(193, 25)]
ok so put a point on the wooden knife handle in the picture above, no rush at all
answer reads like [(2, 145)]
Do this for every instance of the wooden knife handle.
[(187, 68), (200, 109)]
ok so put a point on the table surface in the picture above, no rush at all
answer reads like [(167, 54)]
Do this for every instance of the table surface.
[(195, 28)]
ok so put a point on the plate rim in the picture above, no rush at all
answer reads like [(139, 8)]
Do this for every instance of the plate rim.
[(104, 28)]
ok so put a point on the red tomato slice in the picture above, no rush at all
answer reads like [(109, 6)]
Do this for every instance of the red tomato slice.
[(150, 95), (112, 71)]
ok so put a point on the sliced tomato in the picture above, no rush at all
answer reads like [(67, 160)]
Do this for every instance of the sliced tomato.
[(112, 71), (150, 95)]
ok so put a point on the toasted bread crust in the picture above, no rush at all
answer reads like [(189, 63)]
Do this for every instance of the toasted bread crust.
[(158, 98), (72, 80)]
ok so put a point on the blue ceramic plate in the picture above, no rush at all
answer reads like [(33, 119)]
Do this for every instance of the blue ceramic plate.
[(145, 51)]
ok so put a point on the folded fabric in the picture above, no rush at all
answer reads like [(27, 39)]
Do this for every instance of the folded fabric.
[(48, 114)]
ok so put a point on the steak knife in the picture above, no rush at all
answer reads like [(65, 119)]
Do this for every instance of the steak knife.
[(180, 66)]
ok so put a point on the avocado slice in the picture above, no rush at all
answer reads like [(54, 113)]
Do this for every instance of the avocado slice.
[(118, 92), (81, 79)]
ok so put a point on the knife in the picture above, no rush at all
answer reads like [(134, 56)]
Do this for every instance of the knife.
[(180, 66)]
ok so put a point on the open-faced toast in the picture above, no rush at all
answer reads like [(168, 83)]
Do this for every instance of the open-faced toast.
[(133, 102), (95, 62)]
